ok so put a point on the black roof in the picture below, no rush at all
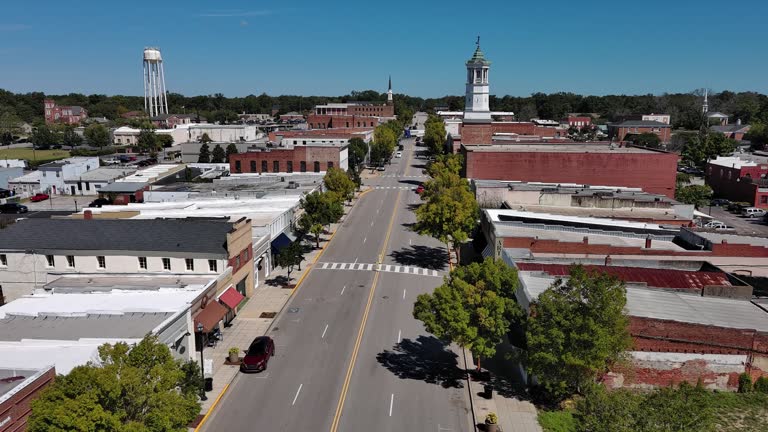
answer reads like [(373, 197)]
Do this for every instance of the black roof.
[(151, 235)]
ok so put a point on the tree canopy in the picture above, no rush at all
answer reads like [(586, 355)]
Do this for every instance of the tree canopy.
[(646, 139), (576, 329), (474, 307), (97, 135), (218, 155), (434, 135), (205, 154), (147, 140), (231, 150), (338, 181), (700, 148), (290, 257), (698, 195), (133, 388), (358, 149)]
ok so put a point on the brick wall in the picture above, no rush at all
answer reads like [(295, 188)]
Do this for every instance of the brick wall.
[(318, 121), (696, 343), (619, 133), (372, 110), (654, 172), (477, 133), (307, 154), (18, 407), (728, 183)]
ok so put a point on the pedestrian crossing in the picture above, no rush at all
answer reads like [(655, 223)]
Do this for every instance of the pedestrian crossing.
[(419, 271), (395, 187), (405, 176)]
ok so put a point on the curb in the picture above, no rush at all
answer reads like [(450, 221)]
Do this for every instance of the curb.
[(469, 388), (213, 405)]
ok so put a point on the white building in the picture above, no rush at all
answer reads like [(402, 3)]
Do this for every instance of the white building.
[(11, 163), (31, 250), (26, 185), (190, 151), (661, 118), (193, 132), (66, 324), (53, 174), (90, 182)]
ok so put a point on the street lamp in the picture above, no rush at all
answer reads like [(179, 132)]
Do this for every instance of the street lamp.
[(202, 367)]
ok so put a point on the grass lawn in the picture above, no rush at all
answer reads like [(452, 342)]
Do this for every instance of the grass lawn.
[(38, 155)]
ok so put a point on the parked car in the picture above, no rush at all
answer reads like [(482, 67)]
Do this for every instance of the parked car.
[(399, 154), (719, 202), (420, 189), (258, 354), (752, 212), (13, 208), (39, 197), (737, 207), (110, 161), (4, 193), (98, 202), (715, 225)]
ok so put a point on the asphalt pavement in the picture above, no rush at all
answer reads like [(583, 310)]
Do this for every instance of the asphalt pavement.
[(349, 354)]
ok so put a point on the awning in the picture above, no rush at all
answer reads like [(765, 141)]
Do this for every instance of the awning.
[(231, 297), (699, 214), (488, 251), (210, 316), (281, 241)]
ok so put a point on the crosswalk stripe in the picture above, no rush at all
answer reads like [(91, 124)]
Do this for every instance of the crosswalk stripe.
[(334, 265), (397, 269), (434, 273), (325, 265), (411, 270)]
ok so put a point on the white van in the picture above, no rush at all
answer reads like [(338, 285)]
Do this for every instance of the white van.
[(752, 212), (715, 225), (399, 154)]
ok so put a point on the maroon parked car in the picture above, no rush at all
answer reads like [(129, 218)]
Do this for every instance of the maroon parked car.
[(258, 354)]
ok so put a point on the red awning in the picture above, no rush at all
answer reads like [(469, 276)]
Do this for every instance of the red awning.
[(210, 316), (231, 297)]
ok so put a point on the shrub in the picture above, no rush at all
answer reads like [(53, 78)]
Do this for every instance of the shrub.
[(234, 351), (761, 385), (745, 383), (491, 418)]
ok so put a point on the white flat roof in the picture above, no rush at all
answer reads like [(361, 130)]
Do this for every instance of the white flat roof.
[(65, 355), (673, 306), (577, 237), (33, 177), (149, 173), (734, 162), (495, 213)]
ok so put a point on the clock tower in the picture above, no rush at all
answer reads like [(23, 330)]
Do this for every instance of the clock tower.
[(476, 105)]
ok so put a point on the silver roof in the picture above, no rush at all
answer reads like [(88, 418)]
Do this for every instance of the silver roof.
[(52, 327)]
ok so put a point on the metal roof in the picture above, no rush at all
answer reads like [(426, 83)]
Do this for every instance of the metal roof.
[(672, 306), (640, 123), (123, 187), (156, 235), (660, 278)]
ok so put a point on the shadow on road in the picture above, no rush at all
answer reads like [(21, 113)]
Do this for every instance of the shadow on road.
[(411, 182), (426, 359), (421, 256)]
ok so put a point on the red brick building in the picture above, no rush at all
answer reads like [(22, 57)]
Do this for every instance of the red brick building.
[(63, 114), (739, 180), (619, 131), (299, 158), (317, 121), (591, 164), (18, 388), (578, 121)]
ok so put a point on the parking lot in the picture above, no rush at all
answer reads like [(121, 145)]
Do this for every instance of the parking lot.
[(742, 225)]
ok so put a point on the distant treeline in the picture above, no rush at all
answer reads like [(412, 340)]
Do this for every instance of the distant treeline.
[(685, 108)]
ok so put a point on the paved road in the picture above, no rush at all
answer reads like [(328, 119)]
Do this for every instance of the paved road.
[(349, 355)]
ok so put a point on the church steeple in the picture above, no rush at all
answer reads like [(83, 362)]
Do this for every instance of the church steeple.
[(390, 99), (476, 104), (705, 107)]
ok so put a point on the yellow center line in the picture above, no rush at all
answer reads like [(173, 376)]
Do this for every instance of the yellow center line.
[(356, 349)]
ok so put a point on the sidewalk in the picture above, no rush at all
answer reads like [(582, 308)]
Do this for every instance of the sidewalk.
[(515, 414), (269, 298)]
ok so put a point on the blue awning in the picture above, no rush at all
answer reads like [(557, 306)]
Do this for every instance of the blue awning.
[(281, 241)]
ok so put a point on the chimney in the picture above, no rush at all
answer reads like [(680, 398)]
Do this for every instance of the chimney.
[(648, 242), (608, 260), (738, 121), (585, 240), (87, 215), (724, 241)]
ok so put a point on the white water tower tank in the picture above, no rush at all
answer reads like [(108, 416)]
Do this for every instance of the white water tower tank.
[(155, 97)]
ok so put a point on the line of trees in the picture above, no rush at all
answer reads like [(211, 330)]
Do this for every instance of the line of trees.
[(685, 108)]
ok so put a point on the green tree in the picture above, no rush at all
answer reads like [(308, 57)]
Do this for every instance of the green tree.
[(338, 181), (290, 257), (205, 154), (386, 138), (434, 135), (358, 149), (164, 141), (445, 164), (474, 307), (450, 213), (218, 155), (70, 138), (231, 150), (44, 137), (698, 195), (205, 139), (322, 208), (10, 125), (308, 224), (97, 135), (378, 154), (757, 135), (684, 409), (577, 328), (761, 385), (135, 388), (147, 140), (700, 148), (647, 139)]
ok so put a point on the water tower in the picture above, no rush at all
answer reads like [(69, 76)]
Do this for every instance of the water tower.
[(155, 99)]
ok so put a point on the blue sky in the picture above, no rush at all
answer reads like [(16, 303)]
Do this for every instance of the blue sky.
[(240, 47)]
